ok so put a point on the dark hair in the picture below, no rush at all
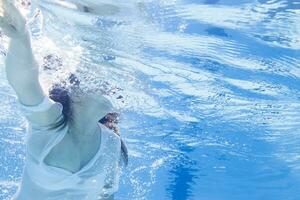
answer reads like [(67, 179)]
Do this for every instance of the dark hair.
[(60, 93)]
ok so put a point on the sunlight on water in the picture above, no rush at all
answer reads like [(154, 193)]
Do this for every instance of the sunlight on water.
[(210, 92)]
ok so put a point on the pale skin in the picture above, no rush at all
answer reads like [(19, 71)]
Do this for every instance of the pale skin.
[(22, 72)]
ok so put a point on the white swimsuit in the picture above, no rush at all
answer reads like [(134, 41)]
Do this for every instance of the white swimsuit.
[(97, 179)]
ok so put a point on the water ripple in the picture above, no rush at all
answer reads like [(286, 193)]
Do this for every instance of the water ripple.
[(210, 92)]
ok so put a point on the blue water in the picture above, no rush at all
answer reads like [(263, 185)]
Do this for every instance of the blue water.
[(211, 91)]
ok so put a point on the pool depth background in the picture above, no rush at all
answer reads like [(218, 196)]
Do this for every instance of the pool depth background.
[(210, 91)]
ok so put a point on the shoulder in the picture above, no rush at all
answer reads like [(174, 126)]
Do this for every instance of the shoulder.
[(47, 113)]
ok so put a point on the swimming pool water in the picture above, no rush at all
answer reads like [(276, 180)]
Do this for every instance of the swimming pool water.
[(210, 89)]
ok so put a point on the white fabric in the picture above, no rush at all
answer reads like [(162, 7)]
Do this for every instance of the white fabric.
[(97, 179), (45, 105)]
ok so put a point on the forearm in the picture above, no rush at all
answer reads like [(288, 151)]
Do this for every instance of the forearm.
[(20, 55), (22, 70)]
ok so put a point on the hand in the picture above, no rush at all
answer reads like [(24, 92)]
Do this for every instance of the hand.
[(12, 22)]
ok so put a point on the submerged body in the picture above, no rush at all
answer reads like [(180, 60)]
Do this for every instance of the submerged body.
[(48, 145), (67, 157)]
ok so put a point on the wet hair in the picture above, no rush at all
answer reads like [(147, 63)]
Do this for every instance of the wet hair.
[(59, 93), (110, 121), (110, 117)]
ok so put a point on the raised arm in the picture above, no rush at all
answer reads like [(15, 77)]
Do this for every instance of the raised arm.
[(22, 70), (21, 67)]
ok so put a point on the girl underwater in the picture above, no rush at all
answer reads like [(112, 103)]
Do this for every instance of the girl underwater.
[(73, 146)]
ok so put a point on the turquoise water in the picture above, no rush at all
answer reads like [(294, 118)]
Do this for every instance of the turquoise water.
[(210, 91)]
